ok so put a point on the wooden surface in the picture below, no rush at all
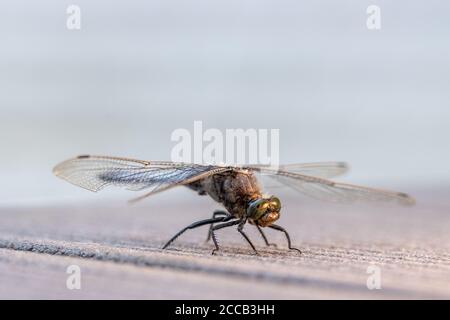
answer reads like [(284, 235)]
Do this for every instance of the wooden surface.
[(118, 249)]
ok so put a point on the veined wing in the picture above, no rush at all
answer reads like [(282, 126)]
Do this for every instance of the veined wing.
[(315, 169), (325, 189), (97, 172)]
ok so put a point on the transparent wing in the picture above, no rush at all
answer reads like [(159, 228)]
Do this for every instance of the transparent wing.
[(324, 189), (315, 169), (97, 172)]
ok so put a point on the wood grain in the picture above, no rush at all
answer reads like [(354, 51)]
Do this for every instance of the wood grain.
[(118, 248)]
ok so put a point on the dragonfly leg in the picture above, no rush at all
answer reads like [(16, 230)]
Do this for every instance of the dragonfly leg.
[(196, 225), (216, 214), (221, 226), (241, 231), (277, 227), (264, 237)]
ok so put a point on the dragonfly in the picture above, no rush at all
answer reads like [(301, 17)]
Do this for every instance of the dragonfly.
[(236, 188)]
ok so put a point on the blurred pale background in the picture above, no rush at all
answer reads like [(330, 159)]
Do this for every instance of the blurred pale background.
[(137, 70)]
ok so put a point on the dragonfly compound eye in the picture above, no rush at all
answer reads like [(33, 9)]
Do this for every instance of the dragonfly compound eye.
[(257, 208), (275, 204)]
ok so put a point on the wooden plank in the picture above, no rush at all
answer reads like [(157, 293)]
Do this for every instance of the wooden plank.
[(118, 249)]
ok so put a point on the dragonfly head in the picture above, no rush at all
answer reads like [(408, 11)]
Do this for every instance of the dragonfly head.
[(264, 211)]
